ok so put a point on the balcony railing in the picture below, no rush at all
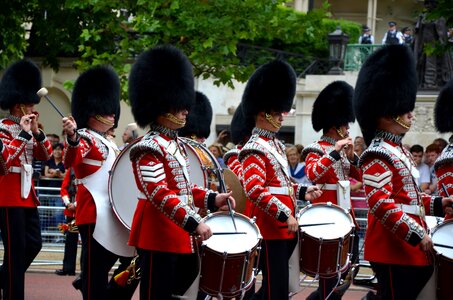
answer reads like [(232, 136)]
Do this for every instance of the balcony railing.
[(356, 54)]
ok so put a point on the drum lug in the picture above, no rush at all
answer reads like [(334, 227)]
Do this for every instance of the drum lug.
[(209, 213), (253, 220), (329, 203)]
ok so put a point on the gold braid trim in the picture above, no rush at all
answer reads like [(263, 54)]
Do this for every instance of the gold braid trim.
[(272, 121), (104, 120), (173, 119), (401, 123)]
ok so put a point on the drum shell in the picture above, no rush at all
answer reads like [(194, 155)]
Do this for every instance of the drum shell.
[(311, 248), (229, 274), (327, 255), (443, 234)]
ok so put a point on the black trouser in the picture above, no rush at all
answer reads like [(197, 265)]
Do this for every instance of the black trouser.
[(326, 285), (165, 275), (274, 260), (21, 235), (401, 281), (96, 264), (70, 250)]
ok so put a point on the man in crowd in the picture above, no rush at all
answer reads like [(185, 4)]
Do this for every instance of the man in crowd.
[(425, 178)]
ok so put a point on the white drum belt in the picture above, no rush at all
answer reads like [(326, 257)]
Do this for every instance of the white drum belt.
[(78, 181), (93, 162), (278, 190), (14, 169), (410, 209), (327, 186), (182, 198)]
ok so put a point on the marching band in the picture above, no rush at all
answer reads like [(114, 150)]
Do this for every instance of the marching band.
[(178, 230)]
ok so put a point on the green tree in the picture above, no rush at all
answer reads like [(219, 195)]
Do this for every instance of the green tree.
[(213, 33)]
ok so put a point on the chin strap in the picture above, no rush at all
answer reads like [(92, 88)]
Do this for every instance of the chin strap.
[(175, 120), (401, 123), (272, 121), (22, 109), (104, 120), (341, 134)]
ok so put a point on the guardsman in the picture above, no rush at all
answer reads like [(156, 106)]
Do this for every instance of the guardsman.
[(271, 196), (95, 109), (23, 141), (165, 223), (443, 167), (331, 161), (397, 242)]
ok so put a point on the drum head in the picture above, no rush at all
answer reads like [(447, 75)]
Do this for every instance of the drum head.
[(442, 235), (231, 243), (233, 184), (325, 213), (123, 190)]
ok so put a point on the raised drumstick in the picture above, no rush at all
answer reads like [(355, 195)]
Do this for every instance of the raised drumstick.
[(43, 93)]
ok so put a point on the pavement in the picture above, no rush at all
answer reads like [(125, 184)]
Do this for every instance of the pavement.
[(41, 285)]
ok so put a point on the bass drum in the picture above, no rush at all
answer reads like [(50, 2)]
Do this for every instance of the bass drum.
[(123, 190)]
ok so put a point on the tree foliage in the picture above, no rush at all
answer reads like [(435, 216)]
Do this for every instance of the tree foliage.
[(217, 35)]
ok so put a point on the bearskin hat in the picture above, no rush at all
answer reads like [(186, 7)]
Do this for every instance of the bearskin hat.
[(19, 84), (333, 107), (198, 121), (161, 80), (96, 92), (443, 110), (271, 87), (241, 126), (386, 86)]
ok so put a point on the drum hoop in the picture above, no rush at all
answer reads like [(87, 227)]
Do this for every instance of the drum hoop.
[(327, 205), (110, 183), (435, 229), (192, 144)]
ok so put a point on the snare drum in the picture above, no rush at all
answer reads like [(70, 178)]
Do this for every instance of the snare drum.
[(229, 261), (443, 236), (325, 249)]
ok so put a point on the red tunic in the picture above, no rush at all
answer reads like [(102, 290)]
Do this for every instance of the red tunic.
[(165, 214), (265, 181), (22, 148), (64, 193), (324, 165), (231, 160), (393, 233), (443, 167), (78, 156), (3, 159)]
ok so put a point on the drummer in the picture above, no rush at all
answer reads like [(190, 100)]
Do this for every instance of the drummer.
[(397, 243), (269, 93), (161, 93), (443, 166), (95, 108), (330, 161)]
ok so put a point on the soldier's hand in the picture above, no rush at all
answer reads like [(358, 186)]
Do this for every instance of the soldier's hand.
[(426, 244), (447, 204), (312, 193), (69, 127), (203, 231), (293, 225), (221, 201)]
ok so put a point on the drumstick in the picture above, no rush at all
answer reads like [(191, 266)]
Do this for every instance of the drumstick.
[(309, 225), (43, 93), (443, 246), (225, 233), (232, 214), (444, 188)]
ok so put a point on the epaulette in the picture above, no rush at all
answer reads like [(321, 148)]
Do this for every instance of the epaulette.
[(314, 147), (86, 136), (5, 127), (252, 146), (230, 153), (445, 158), (147, 144), (376, 148)]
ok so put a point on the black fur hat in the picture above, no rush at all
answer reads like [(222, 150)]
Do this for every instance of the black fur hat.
[(241, 126), (271, 88), (386, 87), (333, 107), (96, 92), (19, 84), (199, 120), (443, 110), (161, 80)]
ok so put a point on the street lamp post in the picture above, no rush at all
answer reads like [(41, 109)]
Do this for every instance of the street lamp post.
[(337, 49)]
